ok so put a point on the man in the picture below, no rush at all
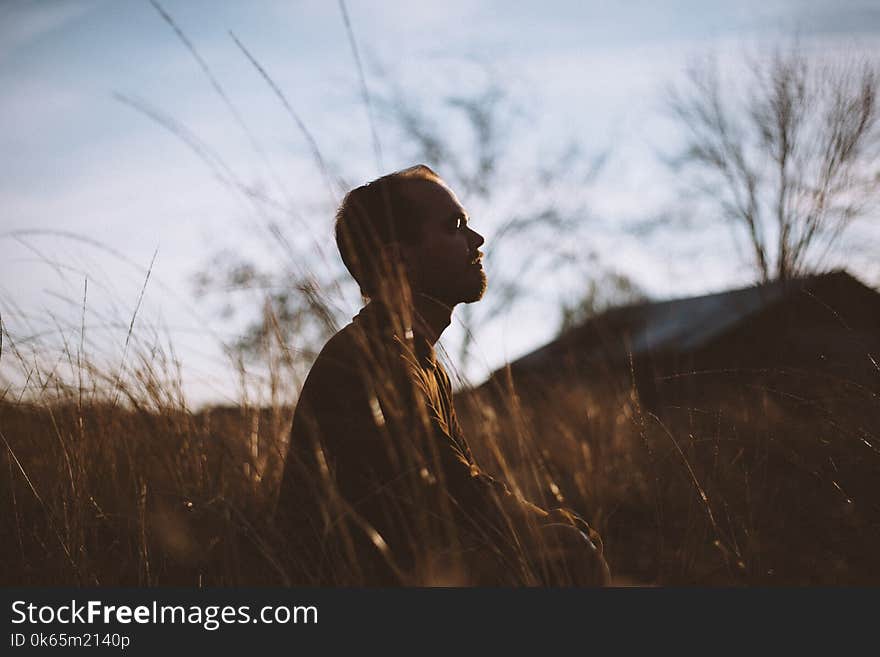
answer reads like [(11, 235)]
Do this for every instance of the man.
[(380, 486)]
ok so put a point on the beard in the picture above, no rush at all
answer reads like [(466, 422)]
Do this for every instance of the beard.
[(469, 286), (476, 288)]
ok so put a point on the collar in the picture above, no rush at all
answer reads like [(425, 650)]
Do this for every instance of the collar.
[(376, 318)]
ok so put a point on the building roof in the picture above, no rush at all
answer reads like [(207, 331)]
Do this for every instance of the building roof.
[(679, 325)]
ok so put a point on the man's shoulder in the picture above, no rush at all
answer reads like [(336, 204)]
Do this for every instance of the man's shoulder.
[(349, 368), (349, 352), (337, 351), (332, 379), (339, 358)]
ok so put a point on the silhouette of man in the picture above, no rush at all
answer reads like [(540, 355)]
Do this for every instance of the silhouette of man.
[(380, 486)]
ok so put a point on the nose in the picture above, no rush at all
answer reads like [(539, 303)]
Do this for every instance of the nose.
[(476, 239)]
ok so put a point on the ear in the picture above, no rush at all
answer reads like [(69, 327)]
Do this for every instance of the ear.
[(406, 258), (395, 257), (395, 270)]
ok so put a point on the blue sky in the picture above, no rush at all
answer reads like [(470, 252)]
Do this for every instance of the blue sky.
[(74, 159)]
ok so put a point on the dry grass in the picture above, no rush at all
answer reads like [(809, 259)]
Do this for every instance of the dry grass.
[(113, 480), (761, 480)]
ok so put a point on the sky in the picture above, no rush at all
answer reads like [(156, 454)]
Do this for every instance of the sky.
[(92, 188)]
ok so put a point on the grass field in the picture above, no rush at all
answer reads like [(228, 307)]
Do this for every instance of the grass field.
[(760, 481)]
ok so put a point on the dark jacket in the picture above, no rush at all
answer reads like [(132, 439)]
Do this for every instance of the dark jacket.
[(380, 486)]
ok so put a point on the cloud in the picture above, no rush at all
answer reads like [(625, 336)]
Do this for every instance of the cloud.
[(22, 23)]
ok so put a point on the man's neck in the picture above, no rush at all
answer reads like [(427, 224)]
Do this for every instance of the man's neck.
[(431, 317), (423, 314)]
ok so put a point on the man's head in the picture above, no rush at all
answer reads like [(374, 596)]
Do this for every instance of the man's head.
[(410, 223)]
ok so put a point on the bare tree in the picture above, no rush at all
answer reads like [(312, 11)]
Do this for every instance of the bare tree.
[(790, 159)]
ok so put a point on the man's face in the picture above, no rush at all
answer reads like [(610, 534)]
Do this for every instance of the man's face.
[(446, 263)]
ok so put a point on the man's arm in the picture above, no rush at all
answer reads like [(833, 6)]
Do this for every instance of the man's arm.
[(400, 462), (559, 533)]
